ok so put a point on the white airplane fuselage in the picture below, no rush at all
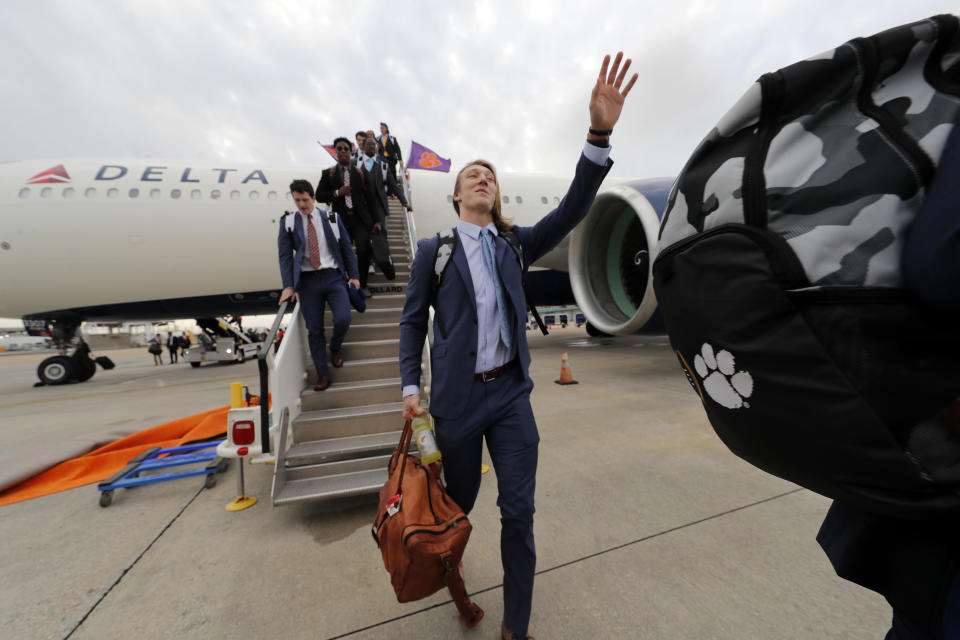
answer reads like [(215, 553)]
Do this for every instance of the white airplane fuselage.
[(94, 233)]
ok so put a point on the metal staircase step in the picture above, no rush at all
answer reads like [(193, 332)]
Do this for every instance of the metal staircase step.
[(347, 448), (388, 288), (347, 421), (373, 315), (369, 369), (361, 330), (355, 483), (351, 394), (389, 348)]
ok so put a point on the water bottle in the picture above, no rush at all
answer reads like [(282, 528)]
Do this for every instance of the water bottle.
[(426, 442)]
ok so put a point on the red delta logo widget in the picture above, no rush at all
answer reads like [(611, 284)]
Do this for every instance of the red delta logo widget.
[(56, 175)]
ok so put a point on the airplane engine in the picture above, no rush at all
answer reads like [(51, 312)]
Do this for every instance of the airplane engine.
[(611, 253)]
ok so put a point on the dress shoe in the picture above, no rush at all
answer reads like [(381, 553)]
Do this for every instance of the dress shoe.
[(509, 635), (336, 358), (322, 383), (367, 293)]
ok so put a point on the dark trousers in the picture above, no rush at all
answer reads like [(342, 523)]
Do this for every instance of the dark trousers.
[(500, 412), (931, 257), (173, 354), (912, 563), (361, 242), (316, 290)]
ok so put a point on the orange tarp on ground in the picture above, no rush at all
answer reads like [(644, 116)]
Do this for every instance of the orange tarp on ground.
[(102, 463)]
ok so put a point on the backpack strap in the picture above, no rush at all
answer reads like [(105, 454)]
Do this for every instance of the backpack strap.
[(514, 241), (441, 259)]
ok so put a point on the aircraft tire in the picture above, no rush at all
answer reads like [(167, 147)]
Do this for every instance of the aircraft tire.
[(56, 370), (84, 369), (195, 365)]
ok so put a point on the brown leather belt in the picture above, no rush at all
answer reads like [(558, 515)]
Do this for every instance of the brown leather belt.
[(493, 374)]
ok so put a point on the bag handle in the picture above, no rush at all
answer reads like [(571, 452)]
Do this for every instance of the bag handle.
[(400, 455)]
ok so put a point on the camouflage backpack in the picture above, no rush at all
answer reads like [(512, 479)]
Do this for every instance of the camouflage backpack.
[(779, 278)]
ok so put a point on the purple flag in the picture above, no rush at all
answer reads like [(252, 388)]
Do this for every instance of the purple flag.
[(422, 158)]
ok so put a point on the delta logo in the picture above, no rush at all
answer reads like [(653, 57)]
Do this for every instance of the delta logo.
[(56, 175)]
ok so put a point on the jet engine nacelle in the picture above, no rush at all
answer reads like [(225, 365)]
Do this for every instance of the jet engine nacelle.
[(611, 254)]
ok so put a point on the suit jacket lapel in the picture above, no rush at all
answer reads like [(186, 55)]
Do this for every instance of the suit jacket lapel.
[(460, 260)]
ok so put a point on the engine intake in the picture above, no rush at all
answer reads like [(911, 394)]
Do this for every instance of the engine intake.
[(611, 256)]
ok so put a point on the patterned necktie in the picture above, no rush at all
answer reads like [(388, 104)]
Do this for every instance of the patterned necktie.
[(313, 242), (486, 241), (346, 181)]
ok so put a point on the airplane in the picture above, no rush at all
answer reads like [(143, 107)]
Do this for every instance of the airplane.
[(128, 239)]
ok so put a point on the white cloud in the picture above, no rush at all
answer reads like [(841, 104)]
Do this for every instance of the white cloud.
[(510, 81)]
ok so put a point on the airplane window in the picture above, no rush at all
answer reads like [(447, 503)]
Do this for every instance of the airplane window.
[(506, 199), (155, 194), (272, 195), (25, 192), (112, 192), (449, 198), (556, 199), (215, 194), (195, 194), (519, 199), (134, 193), (254, 195), (46, 192), (543, 199), (174, 193), (234, 195), (68, 192), (289, 197), (90, 193)]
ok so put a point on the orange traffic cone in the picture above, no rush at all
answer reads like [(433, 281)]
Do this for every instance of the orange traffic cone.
[(566, 375)]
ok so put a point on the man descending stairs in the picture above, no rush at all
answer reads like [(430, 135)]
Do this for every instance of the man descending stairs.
[(342, 438)]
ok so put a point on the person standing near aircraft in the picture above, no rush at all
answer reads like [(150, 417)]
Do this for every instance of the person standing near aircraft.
[(156, 350), (343, 186), (389, 147), (480, 359), (315, 260), (173, 343)]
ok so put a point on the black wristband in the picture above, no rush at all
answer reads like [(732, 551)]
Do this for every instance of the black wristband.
[(599, 143), (596, 132)]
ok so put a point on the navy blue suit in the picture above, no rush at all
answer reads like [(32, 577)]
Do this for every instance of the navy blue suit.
[(317, 289), (467, 410)]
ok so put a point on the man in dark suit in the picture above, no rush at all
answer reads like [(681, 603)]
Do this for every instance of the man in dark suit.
[(315, 261), (371, 166), (389, 147), (343, 186), (480, 360)]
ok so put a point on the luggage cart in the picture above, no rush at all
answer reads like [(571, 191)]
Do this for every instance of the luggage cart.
[(150, 460)]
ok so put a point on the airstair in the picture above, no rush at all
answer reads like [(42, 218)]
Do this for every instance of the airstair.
[(336, 443)]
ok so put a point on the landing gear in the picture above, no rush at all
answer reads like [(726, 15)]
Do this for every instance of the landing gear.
[(593, 332), (57, 370)]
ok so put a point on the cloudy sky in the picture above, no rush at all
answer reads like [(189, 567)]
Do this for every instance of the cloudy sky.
[(263, 81)]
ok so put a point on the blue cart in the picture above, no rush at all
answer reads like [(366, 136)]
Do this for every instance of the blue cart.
[(151, 460)]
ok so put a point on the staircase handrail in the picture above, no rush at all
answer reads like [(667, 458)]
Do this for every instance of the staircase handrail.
[(263, 349), (426, 374)]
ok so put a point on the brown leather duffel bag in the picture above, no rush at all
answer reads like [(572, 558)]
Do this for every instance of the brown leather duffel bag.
[(422, 532)]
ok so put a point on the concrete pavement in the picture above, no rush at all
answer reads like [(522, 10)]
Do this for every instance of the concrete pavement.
[(647, 526)]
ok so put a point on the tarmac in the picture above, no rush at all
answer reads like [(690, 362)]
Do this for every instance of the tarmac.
[(647, 527)]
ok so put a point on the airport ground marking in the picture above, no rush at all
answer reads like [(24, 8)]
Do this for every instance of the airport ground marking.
[(473, 594), (110, 393)]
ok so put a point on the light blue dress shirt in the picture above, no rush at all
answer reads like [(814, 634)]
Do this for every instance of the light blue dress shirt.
[(491, 351)]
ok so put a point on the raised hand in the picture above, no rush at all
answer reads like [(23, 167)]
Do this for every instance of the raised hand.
[(606, 101)]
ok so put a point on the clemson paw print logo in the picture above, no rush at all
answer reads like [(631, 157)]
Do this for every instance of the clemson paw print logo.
[(428, 160), (723, 383)]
